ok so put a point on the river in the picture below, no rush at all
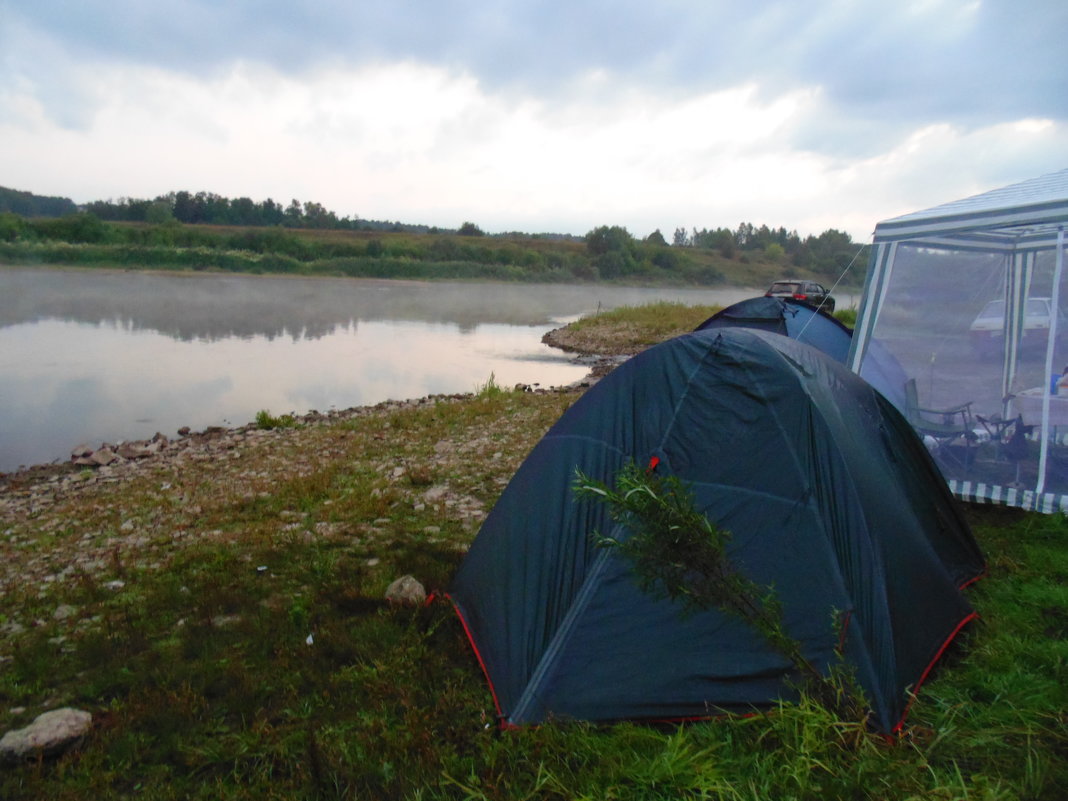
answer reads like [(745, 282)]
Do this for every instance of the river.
[(90, 356)]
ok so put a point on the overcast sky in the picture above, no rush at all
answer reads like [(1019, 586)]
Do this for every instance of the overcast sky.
[(559, 115)]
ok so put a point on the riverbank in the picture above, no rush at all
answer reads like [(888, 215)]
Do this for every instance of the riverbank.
[(604, 254)]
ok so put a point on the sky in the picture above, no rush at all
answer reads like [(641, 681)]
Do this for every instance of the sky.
[(552, 116)]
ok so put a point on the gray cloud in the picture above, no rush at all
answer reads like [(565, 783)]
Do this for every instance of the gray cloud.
[(1000, 60)]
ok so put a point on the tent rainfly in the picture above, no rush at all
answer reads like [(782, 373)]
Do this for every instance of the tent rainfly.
[(969, 299), (829, 496), (800, 321), (788, 317)]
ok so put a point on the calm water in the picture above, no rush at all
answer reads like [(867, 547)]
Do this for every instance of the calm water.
[(95, 357)]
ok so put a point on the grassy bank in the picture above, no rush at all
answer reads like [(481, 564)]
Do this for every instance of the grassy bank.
[(82, 240), (222, 617), (629, 329)]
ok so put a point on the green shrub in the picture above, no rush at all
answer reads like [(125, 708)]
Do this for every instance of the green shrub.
[(265, 420)]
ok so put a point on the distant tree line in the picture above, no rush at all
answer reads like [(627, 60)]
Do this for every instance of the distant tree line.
[(827, 254), (211, 209), (28, 204), (85, 239), (615, 253), (267, 237)]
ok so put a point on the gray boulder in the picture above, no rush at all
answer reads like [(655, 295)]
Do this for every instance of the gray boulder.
[(406, 590), (50, 734)]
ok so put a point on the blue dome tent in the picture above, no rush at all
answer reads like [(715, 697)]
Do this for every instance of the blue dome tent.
[(791, 318), (800, 321), (830, 498)]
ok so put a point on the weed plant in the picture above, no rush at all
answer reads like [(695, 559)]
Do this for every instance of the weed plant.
[(265, 420), (677, 553)]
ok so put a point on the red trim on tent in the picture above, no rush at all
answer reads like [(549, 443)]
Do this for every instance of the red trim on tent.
[(478, 656), (901, 723), (847, 618), (974, 579)]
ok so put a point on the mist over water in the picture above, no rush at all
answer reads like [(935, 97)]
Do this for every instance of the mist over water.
[(89, 356)]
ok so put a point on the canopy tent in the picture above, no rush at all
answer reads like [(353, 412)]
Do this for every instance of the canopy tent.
[(830, 498), (968, 297)]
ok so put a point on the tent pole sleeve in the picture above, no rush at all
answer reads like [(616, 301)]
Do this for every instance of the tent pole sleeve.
[(535, 683), (880, 268), (1050, 342), (1017, 290)]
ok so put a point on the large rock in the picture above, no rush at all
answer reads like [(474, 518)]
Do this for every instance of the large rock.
[(406, 590), (50, 734), (104, 456)]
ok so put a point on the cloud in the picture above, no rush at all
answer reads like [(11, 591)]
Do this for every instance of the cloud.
[(976, 61)]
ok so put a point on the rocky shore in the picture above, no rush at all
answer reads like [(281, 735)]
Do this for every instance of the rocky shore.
[(133, 502)]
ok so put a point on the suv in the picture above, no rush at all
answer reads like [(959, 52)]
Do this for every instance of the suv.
[(807, 291)]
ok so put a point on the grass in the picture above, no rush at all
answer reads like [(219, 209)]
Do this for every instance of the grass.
[(266, 420), (629, 329), (196, 665)]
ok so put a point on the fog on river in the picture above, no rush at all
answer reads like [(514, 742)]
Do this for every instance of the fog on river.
[(89, 356)]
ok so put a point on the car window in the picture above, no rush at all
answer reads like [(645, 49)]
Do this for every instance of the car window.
[(1038, 307), (994, 310)]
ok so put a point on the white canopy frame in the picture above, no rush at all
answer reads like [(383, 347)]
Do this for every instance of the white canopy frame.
[(1013, 226)]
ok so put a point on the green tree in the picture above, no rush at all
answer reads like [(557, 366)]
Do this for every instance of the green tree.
[(184, 207), (774, 252), (609, 239), (159, 212), (12, 227), (470, 229), (244, 212), (294, 214), (272, 213)]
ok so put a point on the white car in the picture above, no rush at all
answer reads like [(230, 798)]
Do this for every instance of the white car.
[(987, 331)]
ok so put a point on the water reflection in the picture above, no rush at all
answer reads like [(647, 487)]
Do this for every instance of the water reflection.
[(214, 306), (93, 357)]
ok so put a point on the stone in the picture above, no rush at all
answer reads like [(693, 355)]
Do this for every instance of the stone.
[(81, 451), (435, 494), (104, 456), (50, 734), (64, 611), (406, 590), (134, 450)]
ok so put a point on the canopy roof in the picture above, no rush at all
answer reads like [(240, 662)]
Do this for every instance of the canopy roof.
[(1026, 215)]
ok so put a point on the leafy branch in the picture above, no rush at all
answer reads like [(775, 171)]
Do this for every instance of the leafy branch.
[(677, 553)]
